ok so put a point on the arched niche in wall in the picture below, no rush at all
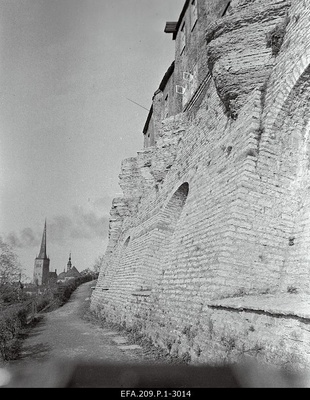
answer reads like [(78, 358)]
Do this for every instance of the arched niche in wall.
[(114, 267), (171, 213), (169, 221), (289, 140), (122, 258), (126, 243), (159, 239)]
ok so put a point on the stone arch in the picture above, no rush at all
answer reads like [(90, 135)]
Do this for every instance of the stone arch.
[(114, 266), (293, 84), (172, 211), (290, 76), (121, 259), (169, 219), (296, 269), (291, 69), (287, 139), (126, 242), (160, 237)]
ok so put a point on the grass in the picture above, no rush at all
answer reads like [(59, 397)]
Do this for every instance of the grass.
[(149, 351)]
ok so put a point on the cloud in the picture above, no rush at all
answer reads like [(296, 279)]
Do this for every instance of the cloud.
[(103, 204), (26, 238), (80, 224), (59, 227), (88, 225)]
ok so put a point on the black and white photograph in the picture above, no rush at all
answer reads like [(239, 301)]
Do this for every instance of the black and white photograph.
[(154, 195)]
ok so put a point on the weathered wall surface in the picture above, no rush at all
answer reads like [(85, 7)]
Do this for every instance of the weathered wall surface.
[(208, 253)]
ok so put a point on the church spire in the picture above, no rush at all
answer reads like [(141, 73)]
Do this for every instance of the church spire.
[(42, 253), (69, 264)]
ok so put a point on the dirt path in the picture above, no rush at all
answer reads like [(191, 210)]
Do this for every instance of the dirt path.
[(66, 349), (66, 337), (65, 334)]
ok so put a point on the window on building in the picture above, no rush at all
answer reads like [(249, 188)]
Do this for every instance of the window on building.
[(194, 13), (190, 81), (182, 38)]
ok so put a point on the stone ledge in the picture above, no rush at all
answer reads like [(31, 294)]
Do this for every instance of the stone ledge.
[(144, 293), (280, 305), (130, 347)]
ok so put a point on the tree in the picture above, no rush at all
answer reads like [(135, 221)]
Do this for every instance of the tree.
[(10, 274), (10, 269), (99, 263), (95, 268)]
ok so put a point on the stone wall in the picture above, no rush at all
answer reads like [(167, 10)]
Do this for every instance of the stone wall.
[(208, 253)]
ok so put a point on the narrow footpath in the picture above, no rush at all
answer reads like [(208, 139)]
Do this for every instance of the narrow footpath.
[(65, 333), (68, 348), (64, 338)]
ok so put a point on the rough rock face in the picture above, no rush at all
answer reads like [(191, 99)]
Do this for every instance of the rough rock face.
[(240, 46), (143, 175), (209, 246)]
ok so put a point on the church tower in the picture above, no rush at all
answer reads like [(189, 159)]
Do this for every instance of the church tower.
[(41, 263), (69, 263)]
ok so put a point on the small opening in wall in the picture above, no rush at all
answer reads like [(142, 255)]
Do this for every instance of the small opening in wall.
[(166, 112), (291, 241), (228, 150), (127, 242), (182, 39)]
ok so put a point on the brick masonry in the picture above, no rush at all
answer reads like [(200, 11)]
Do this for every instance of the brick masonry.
[(208, 250)]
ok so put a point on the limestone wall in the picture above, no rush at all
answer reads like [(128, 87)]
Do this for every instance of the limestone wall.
[(208, 252)]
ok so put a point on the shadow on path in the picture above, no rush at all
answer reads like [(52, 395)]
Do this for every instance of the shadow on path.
[(37, 352)]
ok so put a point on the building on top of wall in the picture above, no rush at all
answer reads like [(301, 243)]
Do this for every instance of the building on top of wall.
[(185, 81), (208, 253)]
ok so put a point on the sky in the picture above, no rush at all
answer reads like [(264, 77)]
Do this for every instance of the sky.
[(71, 72)]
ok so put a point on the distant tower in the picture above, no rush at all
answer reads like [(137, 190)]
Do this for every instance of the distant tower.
[(69, 263), (41, 263)]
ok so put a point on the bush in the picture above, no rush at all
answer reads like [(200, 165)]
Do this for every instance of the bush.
[(65, 289), (12, 320), (10, 294), (43, 301)]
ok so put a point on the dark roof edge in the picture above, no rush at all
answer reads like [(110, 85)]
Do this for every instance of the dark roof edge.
[(161, 87), (166, 77), (147, 122)]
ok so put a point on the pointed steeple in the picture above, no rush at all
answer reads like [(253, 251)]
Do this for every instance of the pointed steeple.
[(69, 263), (42, 253)]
